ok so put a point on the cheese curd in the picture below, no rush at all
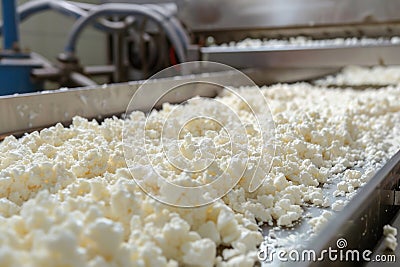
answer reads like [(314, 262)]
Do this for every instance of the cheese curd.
[(317, 223), (390, 239), (338, 205), (388, 229), (304, 41), (67, 197), (358, 76)]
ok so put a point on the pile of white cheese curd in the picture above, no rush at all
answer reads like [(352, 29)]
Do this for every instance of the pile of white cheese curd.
[(304, 41), (68, 199), (363, 76)]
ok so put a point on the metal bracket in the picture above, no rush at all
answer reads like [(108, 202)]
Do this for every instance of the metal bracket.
[(390, 197)]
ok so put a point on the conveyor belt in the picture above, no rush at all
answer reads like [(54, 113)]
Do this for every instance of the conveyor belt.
[(28, 112), (360, 222)]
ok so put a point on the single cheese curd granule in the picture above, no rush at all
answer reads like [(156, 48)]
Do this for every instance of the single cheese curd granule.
[(390, 234)]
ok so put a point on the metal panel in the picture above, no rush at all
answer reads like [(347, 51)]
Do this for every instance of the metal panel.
[(28, 112), (209, 15), (303, 57), (381, 249), (361, 222)]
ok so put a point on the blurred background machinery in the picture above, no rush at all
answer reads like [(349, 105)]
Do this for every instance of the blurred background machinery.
[(110, 41), (142, 39)]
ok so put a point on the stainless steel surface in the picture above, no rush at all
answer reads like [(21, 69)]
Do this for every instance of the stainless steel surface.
[(270, 75), (381, 249), (99, 70), (304, 56), (210, 15), (28, 112), (362, 221), (391, 197), (387, 29), (234, 20)]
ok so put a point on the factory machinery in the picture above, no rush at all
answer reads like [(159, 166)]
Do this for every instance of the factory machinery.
[(147, 36), (144, 38), (128, 20)]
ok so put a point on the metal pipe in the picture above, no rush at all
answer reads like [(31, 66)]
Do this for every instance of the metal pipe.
[(174, 22), (46, 73), (65, 8), (81, 80), (99, 70), (124, 9), (10, 20), (31, 8), (45, 62), (165, 12), (85, 6)]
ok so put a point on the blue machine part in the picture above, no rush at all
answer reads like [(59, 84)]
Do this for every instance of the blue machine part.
[(15, 67), (10, 22), (15, 76)]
